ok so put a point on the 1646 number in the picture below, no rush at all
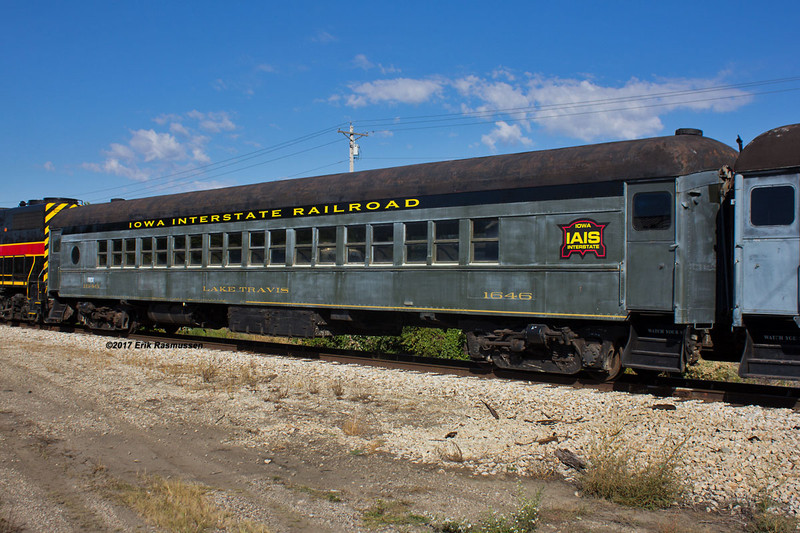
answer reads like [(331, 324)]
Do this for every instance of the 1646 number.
[(499, 295)]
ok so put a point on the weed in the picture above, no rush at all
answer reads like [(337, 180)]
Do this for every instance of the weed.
[(524, 519), (450, 451), (337, 387), (9, 524), (178, 506), (355, 425), (383, 513), (761, 518), (208, 370), (611, 475)]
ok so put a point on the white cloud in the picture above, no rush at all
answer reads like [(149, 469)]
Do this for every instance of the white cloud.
[(324, 37), (578, 108), (150, 152), (398, 90), (49, 166), (214, 122), (505, 134), (156, 146), (361, 61)]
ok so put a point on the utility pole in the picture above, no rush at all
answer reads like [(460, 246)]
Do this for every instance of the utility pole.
[(353, 146)]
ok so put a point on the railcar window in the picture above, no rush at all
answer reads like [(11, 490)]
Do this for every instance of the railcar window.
[(179, 250), (215, 243), (772, 206), (485, 237), (357, 244), (382, 243), (235, 248), (652, 211), (129, 253), (303, 239), (277, 247), (147, 252), (195, 250), (102, 253), (116, 252), (326, 245), (76, 255), (416, 242), (161, 251), (257, 246), (445, 241)]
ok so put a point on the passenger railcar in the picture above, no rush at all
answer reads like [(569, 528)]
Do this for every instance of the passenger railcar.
[(766, 253), (553, 261), (595, 257)]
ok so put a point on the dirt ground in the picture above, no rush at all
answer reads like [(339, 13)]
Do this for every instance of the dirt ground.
[(65, 446)]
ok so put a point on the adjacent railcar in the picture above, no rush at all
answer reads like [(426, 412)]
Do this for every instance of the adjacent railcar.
[(554, 261), (766, 253), (24, 254)]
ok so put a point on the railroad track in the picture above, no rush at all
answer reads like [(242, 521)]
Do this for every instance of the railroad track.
[(676, 388)]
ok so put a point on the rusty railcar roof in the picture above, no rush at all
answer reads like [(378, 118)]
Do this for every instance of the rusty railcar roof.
[(617, 161), (772, 150)]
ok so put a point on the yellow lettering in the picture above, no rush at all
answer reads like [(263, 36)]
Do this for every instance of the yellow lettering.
[(276, 213), (181, 221), (298, 211), (412, 202), (160, 223), (372, 206), (226, 217), (149, 223), (313, 211), (249, 216), (214, 218), (355, 207), (593, 237), (336, 209), (392, 203)]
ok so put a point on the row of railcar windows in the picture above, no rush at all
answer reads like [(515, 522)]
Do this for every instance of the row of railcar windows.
[(364, 244)]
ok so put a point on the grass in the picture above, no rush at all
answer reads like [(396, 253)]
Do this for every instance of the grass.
[(383, 513), (613, 474), (524, 519), (761, 518), (177, 506)]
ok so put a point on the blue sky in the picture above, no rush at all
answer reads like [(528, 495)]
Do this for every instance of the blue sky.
[(133, 99)]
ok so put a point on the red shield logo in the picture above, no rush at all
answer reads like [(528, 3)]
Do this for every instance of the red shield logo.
[(583, 236)]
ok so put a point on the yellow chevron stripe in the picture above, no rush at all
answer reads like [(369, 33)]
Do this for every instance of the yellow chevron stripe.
[(54, 212)]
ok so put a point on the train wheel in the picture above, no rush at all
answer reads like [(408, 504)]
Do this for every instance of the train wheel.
[(612, 366)]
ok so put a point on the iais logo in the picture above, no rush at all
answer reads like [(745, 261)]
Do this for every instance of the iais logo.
[(582, 236)]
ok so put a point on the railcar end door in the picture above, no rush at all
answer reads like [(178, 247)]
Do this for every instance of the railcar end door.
[(650, 251)]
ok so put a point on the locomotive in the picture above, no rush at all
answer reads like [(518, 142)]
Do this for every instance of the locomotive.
[(639, 254)]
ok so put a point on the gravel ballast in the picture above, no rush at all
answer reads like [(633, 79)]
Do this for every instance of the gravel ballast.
[(727, 455)]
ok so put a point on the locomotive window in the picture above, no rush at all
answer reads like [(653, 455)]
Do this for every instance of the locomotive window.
[(129, 253), (303, 239), (116, 252), (445, 241), (195, 250), (485, 248), (652, 210), (383, 243), (257, 245), (161, 251), (772, 206), (179, 250), (277, 247), (416, 242), (234, 248), (215, 242), (147, 252), (326, 245), (102, 253), (76, 255), (356, 244)]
